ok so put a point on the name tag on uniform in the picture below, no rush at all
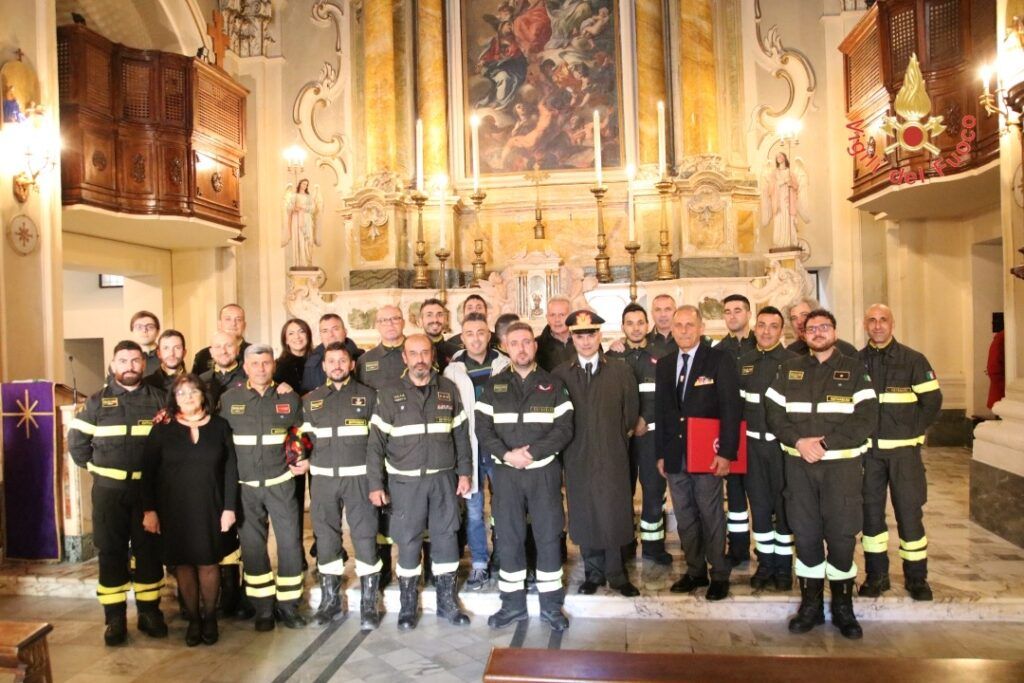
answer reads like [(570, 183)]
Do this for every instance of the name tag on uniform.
[(838, 399), (796, 374), (278, 430), (444, 406), (500, 388), (109, 403), (703, 381), (747, 370), (238, 409), (841, 374), (898, 390), (542, 409), (398, 398), (444, 396), (371, 365), (316, 405), (352, 422), (443, 420), (282, 408), (145, 423), (359, 400)]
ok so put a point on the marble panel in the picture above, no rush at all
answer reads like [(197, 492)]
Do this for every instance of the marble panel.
[(708, 267), (997, 501)]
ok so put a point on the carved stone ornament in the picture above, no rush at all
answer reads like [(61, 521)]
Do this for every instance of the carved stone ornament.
[(248, 26), (138, 168), (372, 217), (99, 160), (217, 181), (175, 171)]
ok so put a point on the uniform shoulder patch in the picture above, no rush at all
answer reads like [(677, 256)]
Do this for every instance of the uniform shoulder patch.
[(747, 370), (359, 400), (238, 409), (841, 375), (500, 388), (316, 405), (398, 398), (444, 396), (371, 365), (929, 375), (109, 402), (282, 408), (796, 374)]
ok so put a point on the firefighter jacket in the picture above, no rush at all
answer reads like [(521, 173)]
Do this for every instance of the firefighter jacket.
[(758, 369), (513, 412), (161, 379), (833, 399), (380, 365), (218, 381), (259, 425), (909, 398), (418, 430), (108, 437), (338, 421), (661, 344), (643, 361), (737, 346)]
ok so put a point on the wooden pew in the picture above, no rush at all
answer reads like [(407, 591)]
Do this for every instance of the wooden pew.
[(559, 666), (23, 651)]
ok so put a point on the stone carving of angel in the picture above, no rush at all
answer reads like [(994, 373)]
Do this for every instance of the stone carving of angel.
[(784, 200), (301, 222)]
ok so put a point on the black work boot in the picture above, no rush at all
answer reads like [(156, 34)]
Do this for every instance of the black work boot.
[(763, 576), (151, 619), (918, 588), (230, 589), (551, 612), (656, 553), (384, 553), (812, 606), (409, 587), (783, 575), (842, 609), (288, 614), (263, 610), (330, 599), (369, 615), (447, 603), (116, 618), (513, 610), (874, 585)]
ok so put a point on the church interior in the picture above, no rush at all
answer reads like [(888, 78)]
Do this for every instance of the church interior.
[(305, 157)]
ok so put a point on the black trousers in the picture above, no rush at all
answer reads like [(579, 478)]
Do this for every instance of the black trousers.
[(536, 493), (738, 525), (700, 519), (643, 466), (766, 481), (261, 507), (330, 497), (419, 502), (900, 473), (604, 564), (824, 506), (119, 536)]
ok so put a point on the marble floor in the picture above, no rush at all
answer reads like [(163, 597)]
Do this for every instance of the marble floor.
[(437, 652)]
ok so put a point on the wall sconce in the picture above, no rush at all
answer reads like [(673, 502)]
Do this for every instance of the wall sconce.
[(295, 158), (33, 152), (788, 130)]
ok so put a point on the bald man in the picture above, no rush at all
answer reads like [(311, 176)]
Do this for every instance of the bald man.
[(383, 363), (909, 400)]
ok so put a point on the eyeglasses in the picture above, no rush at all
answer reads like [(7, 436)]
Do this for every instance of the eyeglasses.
[(824, 327), (186, 393), (393, 320), (144, 327)]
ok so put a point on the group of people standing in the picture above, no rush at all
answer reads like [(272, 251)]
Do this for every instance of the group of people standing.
[(191, 468)]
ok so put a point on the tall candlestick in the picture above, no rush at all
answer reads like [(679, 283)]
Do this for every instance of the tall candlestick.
[(662, 153), (631, 221), (419, 155), (443, 230), (597, 147), (474, 140)]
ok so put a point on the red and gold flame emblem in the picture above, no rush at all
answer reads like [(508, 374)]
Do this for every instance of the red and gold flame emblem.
[(912, 105)]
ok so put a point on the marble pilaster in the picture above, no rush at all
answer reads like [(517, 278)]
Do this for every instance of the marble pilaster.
[(697, 70), (379, 101), (650, 75), (431, 86)]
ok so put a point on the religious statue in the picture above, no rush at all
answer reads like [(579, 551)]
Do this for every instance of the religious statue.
[(784, 200), (301, 222)]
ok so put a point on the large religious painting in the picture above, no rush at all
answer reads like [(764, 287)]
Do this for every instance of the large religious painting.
[(534, 72)]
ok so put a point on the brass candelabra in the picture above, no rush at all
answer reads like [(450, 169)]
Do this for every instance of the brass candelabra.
[(479, 264), (604, 273), (442, 291), (419, 268), (632, 247), (664, 187)]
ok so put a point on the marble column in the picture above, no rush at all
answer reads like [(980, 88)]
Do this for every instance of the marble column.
[(379, 101), (651, 89), (431, 85), (697, 73)]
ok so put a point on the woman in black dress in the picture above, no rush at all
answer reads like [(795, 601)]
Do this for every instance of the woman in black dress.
[(296, 343), (190, 494)]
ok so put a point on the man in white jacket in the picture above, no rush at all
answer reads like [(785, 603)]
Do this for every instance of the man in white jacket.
[(470, 369)]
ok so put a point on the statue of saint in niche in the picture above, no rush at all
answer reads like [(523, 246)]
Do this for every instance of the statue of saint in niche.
[(784, 200), (301, 222)]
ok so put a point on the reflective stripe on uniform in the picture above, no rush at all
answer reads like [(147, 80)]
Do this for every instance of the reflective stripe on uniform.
[(875, 544), (925, 387), (335, 568), (484, 408), (505, 418), (510, 582), (765, 542), (646, 387), (439, 568), (832, 455), (257, 579), (141, 430), (798, 407), (82, 426), (261, 591), (914, 551), (766, 436), (815, 572), (897, 397), (353, 430), (544, 418), (111, 595), (775, 396), (402, 572), (886, 444), (835, 574), (548, 582), (269, 482), (353, 471), (410, 473), (738, 522), (750, 396), (650, 426), (113, 472), (110, 430), (234, 557), (289, 580), (321, 432), (257, 439), (562, 408), (380, 424), (148, 592), (458, 419), (364, 569), (842, 408), (864, 395)]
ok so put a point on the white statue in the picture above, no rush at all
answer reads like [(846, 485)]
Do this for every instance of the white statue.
[(784, 200), (301, 222)]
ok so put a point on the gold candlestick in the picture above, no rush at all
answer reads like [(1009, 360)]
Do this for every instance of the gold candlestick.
[(664, 187), (442, 255), (632, 247), (604, 273), (479, 264), (419, 268)]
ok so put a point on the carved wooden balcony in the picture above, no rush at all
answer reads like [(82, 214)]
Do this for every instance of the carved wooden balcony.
[(950, 40), (148, 132)]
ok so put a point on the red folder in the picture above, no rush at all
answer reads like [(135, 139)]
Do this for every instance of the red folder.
[(702, 446)]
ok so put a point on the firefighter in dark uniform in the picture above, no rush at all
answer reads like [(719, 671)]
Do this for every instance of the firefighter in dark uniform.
[(798, 318), (227, 371), (659, 339), (337, 418), (419, 434), (643, 459), (765, 479), (375, 368), (260, 419), (107, 438), (909, 400), (524, 419), (170, 349), (145, 327), (433, 319), (822, 409), (740, 340)]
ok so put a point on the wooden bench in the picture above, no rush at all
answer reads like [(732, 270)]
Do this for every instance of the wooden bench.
[(23, 651), (559, 666)]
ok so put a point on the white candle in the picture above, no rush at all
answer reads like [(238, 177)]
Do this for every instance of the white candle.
[(986, 77), (662, 154), (419, 155), (474, 124), (631, 221), (597, 147), (443, 230)]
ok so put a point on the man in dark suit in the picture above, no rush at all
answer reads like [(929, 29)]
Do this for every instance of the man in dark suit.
[(697, 381)]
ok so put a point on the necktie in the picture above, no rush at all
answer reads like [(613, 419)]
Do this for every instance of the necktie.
[(590, 372), (681, 382)]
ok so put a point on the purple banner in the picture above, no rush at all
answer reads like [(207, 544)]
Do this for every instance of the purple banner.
[(30, 471)]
